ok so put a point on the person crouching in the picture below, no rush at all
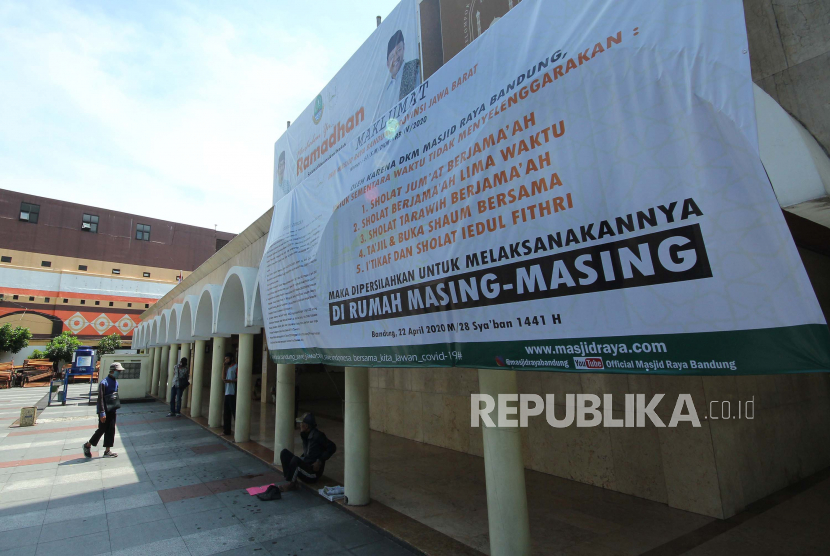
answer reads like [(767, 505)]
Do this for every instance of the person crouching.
[(309, 466)]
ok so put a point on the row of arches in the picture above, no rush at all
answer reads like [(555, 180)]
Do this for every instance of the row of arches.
[(234, 307)]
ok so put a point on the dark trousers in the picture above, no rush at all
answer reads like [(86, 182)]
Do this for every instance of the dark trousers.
[(294, 468), (107, 430), (176, 399), (230, 411)]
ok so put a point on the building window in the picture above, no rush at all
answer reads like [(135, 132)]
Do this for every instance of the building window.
[(31, 298), (90, 223), (116, 271), (97, 302), (146, 274), (129, 304), (83, 302), (142, 232), (110, 303), (47, 264), (66, 301), (14, 297), (131, 370), (82, 267), (46, 300), (5, 259), (146, 305), (29, 212)]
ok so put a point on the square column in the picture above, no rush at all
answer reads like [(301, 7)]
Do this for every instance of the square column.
[(263, 398), (162, 386), (186, 353), (244, 379), (217, 387), (148, 386), (284, 413), (154, 381), (356, 437), (504, 472), (196, 384), (172, 360)]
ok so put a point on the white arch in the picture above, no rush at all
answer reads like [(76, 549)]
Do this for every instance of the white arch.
[(173, 324), (154, 334), (204, 321), (191, 303), (164, 319), (255, 309), (145, 334), (236, 298), (797, 167), (139, 336)]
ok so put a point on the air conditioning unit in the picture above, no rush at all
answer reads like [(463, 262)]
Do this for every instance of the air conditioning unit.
[(86, 226), (24, 215)]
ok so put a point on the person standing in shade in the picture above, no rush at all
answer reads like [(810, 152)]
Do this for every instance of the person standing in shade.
[(106, 413), (230, 392), (180, 384)]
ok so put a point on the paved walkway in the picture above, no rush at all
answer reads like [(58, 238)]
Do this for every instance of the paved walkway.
[(568, 518), (174, 489)]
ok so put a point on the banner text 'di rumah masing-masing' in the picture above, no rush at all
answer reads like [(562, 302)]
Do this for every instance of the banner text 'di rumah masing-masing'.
[(579, 189)]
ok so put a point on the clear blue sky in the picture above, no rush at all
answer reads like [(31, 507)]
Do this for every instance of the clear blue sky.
[(164, 109)]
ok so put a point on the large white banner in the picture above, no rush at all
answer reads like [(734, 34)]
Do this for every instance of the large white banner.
[(578, 189), (385, 69)]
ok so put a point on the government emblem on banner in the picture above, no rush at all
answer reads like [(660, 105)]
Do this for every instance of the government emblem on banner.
[(317, 114)]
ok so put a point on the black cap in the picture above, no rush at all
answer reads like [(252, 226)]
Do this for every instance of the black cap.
[(310, 420), (393, 42)]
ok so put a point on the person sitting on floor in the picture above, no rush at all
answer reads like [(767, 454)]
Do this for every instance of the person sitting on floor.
[(309, 466)]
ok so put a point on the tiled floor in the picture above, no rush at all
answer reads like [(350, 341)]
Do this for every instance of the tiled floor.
[(174, 489), (445, 490)]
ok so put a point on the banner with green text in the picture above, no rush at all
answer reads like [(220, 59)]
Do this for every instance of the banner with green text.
[(579, 189)]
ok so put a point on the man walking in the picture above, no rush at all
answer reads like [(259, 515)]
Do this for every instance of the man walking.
[(309, 466), (108, 404), (230, 393), (180, 384)]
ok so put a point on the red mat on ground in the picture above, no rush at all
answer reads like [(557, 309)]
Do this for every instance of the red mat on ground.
[(253, 491)]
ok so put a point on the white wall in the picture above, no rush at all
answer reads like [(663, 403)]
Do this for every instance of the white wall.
[(128, 389), (20, 355)]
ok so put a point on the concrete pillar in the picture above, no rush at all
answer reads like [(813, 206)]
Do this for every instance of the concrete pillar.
[(155, 355), (505, 473), (244, 378), (148, 387), (186, 353), (190, 361), (148, 381), (264, 394), (284, 413), (172, 361), (162, 388), (196, 385), (356, 437), (217, 387)]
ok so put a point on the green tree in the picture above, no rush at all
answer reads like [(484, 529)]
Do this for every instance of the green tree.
[(37, 354), (14, 339), (108, 344), (61, 348)]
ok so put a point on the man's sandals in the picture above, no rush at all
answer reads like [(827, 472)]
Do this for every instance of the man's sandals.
[(109, 454)]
